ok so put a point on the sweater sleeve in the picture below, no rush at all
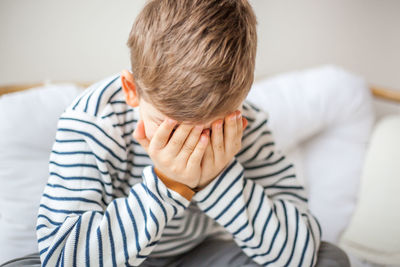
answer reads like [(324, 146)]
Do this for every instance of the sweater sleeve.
[(259, 201), (90, 214)]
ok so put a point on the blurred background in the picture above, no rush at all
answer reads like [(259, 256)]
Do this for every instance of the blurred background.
[(85, 40)]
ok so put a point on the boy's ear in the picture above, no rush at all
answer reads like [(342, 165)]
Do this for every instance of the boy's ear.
[(129, 87)]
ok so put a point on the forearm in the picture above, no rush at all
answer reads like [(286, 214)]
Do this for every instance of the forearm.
[(268, 230), (77, 230)]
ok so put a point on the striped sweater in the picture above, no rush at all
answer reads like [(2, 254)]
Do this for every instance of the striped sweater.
[(104, 205)]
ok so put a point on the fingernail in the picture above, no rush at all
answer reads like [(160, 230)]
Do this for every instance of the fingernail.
[(199, 127), (171, 121), (238, 115), (233, 117), (219, 125)]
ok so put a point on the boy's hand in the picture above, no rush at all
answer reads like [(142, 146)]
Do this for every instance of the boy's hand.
[(179, 157), (225, 144)]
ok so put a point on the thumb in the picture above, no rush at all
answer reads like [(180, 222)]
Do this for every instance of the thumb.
[(140, 135)]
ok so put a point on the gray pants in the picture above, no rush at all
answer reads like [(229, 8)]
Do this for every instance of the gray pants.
[(213, 252)]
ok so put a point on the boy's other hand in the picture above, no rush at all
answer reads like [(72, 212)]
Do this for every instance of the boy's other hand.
[(226, 142), (179, 157)]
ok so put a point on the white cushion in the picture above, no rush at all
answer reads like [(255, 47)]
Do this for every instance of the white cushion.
[(28, 122), (374, 231), (321, 117)]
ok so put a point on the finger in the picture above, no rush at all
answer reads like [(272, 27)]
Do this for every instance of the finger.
[(161, 136), (208, 154), (217, 138), (140, 135), (190, 143), (177, 140), (198, 153), (230, 130), (245, 122), (239, 123)]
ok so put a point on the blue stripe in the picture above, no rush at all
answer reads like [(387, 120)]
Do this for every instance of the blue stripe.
[(155, 221), (295, 238), (55, 246), (181, 235), (125, 123), (93, 166), (78, 227), (155, 177), (231, 203), (72, 199), (265, 164), (40, 226), (74, 189), (156, 199), (87, 254), (290, 194), (114, 94), (72, 152), (103, 161), (95, 140), (134, 225), (87, 100), (83, 94), (284, 187), (114, 261), (218, 181), (176, 201), (62, 211), (259, 151), (305, 248), (101, 94), (244, 149), (96, 126), (143, 212), (243, 208), (100, 243), (256, 128), (49, 235), (286, 238), (117, 113), (272, 174), (87, 179), (225, 191), (70, 141), (253, 106), (118, 102), (48, 219), (43, 251)]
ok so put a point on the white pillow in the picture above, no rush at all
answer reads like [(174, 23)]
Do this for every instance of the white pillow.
[(321, 117), (374, 231), (28, 122)]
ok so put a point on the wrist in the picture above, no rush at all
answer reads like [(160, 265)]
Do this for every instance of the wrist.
[(183, 189)]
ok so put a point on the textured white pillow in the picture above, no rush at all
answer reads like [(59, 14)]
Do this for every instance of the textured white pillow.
[(28, 122), (321, 117), (374, 231)]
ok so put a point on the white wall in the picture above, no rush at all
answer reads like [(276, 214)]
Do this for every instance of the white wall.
[(85, 40)]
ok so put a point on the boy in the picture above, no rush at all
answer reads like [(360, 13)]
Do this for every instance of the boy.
[(167, 165)]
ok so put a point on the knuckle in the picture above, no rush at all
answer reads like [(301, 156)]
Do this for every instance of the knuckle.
[(174, 169), (175, 142), (219, 147), (188, 147)]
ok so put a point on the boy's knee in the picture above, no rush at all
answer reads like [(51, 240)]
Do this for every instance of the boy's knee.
[(330, 255)]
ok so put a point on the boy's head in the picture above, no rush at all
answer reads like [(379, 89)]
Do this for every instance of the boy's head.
[(192, 60)]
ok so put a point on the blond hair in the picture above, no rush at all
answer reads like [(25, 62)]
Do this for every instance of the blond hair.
[(194, 59)]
